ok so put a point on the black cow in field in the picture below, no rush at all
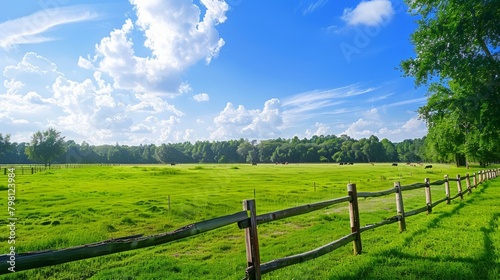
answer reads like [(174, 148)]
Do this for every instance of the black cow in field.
[(341, 163), (351, 163), (394, 164), (428, 166), (173, 164)]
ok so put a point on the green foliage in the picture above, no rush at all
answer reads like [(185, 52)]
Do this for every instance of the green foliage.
[(458, 51), (317, 149), (46, 146), (168, 153), (5, 144), (92, 204)]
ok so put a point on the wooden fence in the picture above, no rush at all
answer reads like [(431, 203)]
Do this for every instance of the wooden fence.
[(35, 168), (248, 220)]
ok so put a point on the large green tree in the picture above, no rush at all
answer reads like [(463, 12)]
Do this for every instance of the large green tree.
[(5, 145), (457, 46), (46, 146)]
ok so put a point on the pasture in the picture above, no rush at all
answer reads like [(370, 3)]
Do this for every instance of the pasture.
[(69, 207)]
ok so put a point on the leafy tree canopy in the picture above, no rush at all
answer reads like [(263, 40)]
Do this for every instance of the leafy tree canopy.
[(457, 46), (46, 146)]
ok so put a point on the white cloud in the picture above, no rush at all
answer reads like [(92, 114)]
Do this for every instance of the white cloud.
[(359, 129), (312, 104), (234, 123), (320, 129), (372, 114), (32, 73), (150, 102), (421, 100), (268, 122), (371, 13), (314, 5), (378, 98), (30, 29), (201, 97), (414, 124), (413, 128), (12, 86), (176, 40), (375, 124), (141, 128), (85, 63), (184, 87)]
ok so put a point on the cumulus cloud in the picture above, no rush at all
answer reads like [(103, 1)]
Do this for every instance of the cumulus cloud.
[(370, 13), (318, 130), (239, 122), (33, 73), (150, 102), (373, 123), (359, 129), (176, 41), (201, 97), (30, 29)]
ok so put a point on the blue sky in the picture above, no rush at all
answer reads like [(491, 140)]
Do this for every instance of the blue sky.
[(140, 72)]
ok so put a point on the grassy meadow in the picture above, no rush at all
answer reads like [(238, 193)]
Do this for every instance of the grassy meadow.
[(68, 207)]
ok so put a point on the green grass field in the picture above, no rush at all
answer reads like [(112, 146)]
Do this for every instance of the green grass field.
[(69, 207)]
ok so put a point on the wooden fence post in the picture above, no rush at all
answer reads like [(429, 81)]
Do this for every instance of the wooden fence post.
[(354, 217), (474, 180), (428, 199), (252, 242), (467, 180), (459, 186), (447, 188), (400, 207)]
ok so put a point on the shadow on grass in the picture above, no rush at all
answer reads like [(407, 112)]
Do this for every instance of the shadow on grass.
[(483, 266)]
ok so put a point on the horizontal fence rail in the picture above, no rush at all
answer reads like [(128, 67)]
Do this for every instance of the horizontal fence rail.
[(36, 168), (248, 220), (25, 261), (294, 211)]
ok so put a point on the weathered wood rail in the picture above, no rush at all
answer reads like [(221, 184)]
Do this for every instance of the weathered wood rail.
[(248, 220)]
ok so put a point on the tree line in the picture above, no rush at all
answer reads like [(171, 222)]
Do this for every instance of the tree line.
[(50, 147)]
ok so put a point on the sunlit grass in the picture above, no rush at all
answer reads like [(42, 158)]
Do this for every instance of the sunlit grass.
[(69, 207)]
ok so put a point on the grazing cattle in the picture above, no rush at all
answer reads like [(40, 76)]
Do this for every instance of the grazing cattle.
[(173, 163), (428, 166), (351, 163), (341, 163), (408, 163), (254, 163), (394, 164)]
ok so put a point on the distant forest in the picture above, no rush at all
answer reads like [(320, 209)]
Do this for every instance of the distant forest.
[(317, 149)]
